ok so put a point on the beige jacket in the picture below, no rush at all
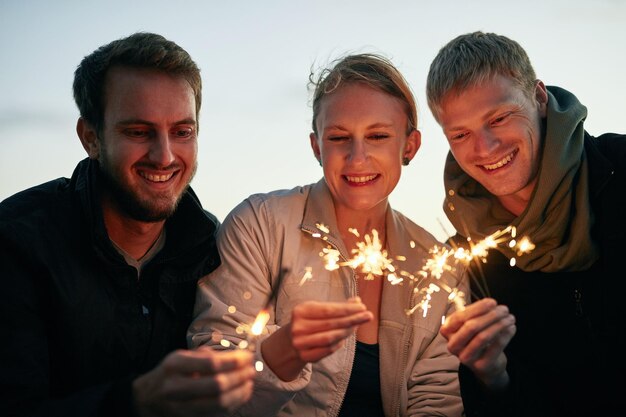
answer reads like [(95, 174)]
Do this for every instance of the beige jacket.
[(269, 232)]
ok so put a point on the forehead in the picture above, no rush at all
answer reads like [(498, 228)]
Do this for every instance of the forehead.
[(480, 100), (146, 91), (359, 101)]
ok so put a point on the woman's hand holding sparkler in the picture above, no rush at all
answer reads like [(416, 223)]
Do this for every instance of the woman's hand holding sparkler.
[(316, 330), (195, 383), (478, 335)]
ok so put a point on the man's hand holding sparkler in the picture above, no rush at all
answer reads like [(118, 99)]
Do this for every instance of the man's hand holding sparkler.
[(317, 329), (195, 383), (477, 335)]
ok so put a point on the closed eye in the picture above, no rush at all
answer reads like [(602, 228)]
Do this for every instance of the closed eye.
[(378, 136), (183, 132), (458, 136), (337, 138), (500, 119), (137, 133)]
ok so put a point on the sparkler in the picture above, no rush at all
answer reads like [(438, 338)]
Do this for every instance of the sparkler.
[(372, 260), (477, 252), (257, 327), (369, 257), (263, 316)]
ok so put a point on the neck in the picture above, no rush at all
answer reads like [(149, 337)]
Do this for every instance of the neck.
[(363, 221), (133, 236), (517, 203), (514, 205)]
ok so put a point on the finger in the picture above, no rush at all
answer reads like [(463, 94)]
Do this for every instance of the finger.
[(226, 360), (302, 326), (454, 321), (205, 361), (473, 327), (321, 340), (235, 397), (327, 310), (207, 405), (493, 361), (183, 388), (318, 353), (493, 339)]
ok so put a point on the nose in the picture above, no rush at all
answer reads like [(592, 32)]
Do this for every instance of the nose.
[(161, 150), (485, 142), (358, 151)]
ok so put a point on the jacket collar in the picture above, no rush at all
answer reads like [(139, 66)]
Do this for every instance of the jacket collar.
[(319, 212), (190, 230), (320, 209)]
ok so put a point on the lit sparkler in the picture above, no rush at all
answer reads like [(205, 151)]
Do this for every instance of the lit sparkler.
[(372, 260), (444, 259), (252, 331), (369, 257)]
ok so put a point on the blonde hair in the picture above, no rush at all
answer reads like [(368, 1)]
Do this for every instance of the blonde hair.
[(373, 70), (470, 59)]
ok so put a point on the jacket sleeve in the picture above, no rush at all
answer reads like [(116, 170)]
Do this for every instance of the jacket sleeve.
[(25, 378), (229, 299), (433, 384)]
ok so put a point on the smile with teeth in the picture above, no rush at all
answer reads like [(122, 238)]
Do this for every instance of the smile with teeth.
[(361, 179), (501, 162), (156, 178)]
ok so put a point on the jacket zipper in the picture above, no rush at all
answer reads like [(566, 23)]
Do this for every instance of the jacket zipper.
[(334, 245), (578, 296), (356, 291)]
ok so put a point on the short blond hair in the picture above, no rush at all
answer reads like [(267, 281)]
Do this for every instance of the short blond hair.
[(470, 59)]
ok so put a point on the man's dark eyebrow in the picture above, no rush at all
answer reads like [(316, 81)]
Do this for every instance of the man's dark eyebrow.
[(186, 122), (126, 122)]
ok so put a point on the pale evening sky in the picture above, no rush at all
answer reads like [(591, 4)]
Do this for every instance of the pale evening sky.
[(255, 59)]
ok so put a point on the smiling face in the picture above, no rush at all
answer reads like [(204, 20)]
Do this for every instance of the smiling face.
[(494, 132), (361, 141), (148, 148)]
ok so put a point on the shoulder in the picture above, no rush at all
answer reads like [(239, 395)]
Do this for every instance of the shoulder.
[(611, 145), (420, 236), (264, 213), (36, 217), (279, 202), (293, 196), (41, 203)]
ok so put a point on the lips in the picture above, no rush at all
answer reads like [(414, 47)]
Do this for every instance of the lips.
[(156, 177), (360, 179), (502, 162)]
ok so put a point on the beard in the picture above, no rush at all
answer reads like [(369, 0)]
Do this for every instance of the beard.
[(130, 202)]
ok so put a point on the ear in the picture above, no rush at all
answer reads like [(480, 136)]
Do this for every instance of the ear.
[(88, 137), (316, 147), (413, 143), (541, 95)]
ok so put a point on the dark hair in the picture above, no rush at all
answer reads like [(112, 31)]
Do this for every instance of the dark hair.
[(139, 50), (371, 69), (473, 58)]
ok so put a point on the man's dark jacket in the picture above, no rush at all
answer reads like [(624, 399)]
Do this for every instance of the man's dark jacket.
[(567, 357), (77, 323)]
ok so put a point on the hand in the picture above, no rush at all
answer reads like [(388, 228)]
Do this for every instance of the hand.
[(195, 383), (478, 335), (316, 330)]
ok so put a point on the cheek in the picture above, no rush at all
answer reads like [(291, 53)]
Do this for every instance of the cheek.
[(187, 153), (330, 156), (457, 153)]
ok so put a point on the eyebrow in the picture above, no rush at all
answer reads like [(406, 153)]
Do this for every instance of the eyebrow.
[(372, 126), (126, 122), (484, 117)]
